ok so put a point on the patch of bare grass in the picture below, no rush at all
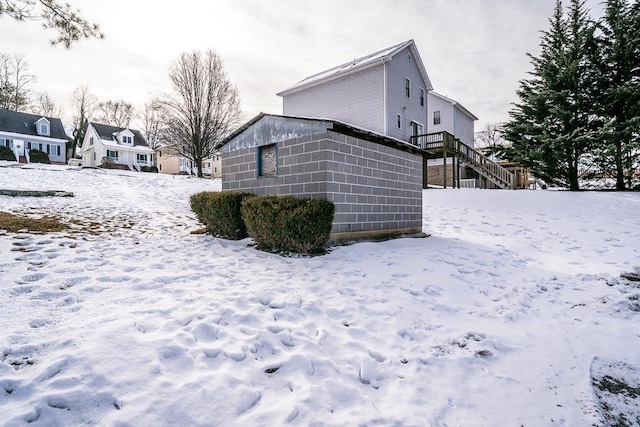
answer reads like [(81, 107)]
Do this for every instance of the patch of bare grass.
[(13, 223)]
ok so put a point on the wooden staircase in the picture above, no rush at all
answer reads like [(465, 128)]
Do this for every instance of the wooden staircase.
[(443, 144)]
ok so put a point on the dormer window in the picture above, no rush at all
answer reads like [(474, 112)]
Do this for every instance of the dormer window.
[(126, 139), (42, 127)]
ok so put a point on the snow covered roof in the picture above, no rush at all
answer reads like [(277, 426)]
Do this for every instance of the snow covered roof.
[(455, 104), (359, 64)]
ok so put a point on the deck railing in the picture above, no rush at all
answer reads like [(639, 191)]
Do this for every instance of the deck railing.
[(444, 141)]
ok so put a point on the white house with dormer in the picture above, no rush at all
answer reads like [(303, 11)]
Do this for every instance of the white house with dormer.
[(115, 147), (23, 132)]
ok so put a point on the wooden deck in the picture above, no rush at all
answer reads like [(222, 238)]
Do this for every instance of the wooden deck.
[(444, 145)]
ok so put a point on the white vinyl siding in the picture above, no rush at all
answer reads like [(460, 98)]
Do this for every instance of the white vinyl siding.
[(402, 71), (355, 99), (446, 115), (463, 127), (452, 119)]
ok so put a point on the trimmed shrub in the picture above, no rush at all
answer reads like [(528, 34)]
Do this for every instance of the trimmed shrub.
[(289, 224), (6, 153), (38, 156), (220, 213)]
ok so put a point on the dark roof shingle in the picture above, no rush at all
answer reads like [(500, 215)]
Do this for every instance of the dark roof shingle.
[(25, 124), (107, 131)]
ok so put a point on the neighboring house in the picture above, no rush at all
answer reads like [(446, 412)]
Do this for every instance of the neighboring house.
[(22, 132), (374, 181), (176, 165), (385, 92), (115, 147)]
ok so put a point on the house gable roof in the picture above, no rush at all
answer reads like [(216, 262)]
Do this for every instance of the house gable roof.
[(327, 124), (108, 132), (359, 64), (25, 124), (455, 104)]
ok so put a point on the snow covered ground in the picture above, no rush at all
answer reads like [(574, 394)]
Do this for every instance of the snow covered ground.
[(506, 315)]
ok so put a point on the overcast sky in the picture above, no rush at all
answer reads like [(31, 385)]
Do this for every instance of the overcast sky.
[(474, 50)]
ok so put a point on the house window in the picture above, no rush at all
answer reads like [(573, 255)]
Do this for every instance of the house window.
[(407, 88), (160, 166), (436, 117), (57, 150), (141, 158), (44, 129), (94, 156), (421, 97), (91, 141), (399, 121), (112, 154), (267, 160), (126, 139), (48, 149)]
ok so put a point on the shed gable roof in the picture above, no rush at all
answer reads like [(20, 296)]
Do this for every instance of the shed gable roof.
[(25, 124), (327, 124), (356, 65), (108, 132)]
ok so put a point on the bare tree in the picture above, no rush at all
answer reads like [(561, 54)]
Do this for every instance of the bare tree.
[(203, 108), (83, 105), (14, 82), (43, 105), (66, 20), (151, 125), (115, 113)]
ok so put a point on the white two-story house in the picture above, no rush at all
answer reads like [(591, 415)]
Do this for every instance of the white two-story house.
[(384, 92), (23, 132), (110, 146)]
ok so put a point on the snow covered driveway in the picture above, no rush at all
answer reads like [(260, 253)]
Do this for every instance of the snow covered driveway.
[(129, 320)]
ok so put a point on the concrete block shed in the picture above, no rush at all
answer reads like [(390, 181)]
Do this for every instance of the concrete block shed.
[(374, 181)]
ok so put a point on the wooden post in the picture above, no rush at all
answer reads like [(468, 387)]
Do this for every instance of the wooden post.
[(444, 170), (425, 172)]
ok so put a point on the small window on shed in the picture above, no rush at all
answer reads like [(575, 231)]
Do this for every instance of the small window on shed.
[(436, 117), (267, 160)]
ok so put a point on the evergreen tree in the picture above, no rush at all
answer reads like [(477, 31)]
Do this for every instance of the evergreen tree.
[(619, 87), (552, 128)]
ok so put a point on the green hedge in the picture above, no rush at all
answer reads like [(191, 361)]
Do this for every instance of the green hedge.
[(220, 213), (6, 153), (38, 156), (289, 224)]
